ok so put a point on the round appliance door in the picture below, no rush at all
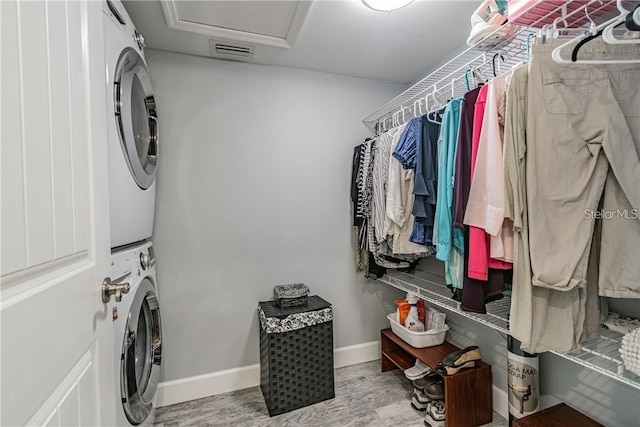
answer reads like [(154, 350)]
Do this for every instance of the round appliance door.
[(141, 354), (136, 117)]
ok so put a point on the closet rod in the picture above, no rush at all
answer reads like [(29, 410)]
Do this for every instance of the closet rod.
[(473, 56)]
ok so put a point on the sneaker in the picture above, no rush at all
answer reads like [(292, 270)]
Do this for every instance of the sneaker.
[(435, 414), (418, 370), (419, 401)]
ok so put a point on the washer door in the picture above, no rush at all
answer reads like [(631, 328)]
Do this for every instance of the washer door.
[(141, 354), (136, 117)]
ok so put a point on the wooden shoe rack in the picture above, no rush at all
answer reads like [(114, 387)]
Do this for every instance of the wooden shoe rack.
[(467, 394)]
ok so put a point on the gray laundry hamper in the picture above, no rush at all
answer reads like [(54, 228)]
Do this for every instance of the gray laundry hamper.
[(296, 354)]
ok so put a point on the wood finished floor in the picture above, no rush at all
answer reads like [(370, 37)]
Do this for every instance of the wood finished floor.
[(364, 397)]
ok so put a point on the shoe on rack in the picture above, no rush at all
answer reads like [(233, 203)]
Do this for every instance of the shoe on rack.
[(435, 391), (418, 370), (435, 415), (424, 382), (419, 401), (460, 359), (450, 370)]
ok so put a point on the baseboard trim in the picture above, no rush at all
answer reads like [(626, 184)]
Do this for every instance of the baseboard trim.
[(500, 402), (354, 354), (185, 389)]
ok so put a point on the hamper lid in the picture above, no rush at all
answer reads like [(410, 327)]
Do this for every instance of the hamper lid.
[(275, 319), (272, 309)]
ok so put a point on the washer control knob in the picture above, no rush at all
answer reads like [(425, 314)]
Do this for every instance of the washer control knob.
[(145, 261)]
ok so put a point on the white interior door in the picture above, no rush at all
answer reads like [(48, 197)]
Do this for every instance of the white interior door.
[(56, 341)]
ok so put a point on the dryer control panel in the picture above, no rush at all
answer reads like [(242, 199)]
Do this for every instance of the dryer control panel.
[(128, 261)]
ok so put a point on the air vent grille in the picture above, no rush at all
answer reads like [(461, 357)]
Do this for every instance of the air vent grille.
[(231, 51)]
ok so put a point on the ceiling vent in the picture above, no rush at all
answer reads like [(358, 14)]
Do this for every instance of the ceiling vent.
[(235, 51)]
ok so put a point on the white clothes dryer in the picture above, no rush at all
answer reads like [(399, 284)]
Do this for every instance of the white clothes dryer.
[(137, 332), (132, 124)]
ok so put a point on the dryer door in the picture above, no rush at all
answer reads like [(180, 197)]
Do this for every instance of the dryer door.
[(141, 354), (136, 117)]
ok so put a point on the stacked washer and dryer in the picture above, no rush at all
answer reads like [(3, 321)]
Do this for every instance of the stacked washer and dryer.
[(133, 158)]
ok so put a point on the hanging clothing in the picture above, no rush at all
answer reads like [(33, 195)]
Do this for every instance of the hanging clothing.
[(412, 155), (479, 241), (463, 157), (584, 137), (475, 292), (426, 183), (449, 239), (406, 149), (542, 319), (355, 169), (380, 182), (485, 208), (399, 204)]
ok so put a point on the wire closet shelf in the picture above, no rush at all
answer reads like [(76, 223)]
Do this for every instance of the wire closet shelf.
[(449, 80), (600, 353)]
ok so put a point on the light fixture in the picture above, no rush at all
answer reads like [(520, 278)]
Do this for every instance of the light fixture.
[(386, 5)]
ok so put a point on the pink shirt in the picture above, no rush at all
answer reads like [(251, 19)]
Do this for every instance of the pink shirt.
[(479, 241)]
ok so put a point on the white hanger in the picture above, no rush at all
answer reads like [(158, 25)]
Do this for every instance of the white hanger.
[(417, 107), (607, 34), (557, 52), (554, 27), (435, 102), (406, 108)]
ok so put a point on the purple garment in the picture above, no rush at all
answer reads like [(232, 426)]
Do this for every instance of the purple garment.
[(475, 293), (463, 158)]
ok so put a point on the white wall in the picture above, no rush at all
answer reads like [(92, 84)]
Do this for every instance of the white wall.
[(253, 191)]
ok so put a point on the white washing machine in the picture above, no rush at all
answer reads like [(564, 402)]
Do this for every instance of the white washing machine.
[(132, 124), (137, 335)]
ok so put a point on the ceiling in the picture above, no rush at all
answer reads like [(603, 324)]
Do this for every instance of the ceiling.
[(334, 36)]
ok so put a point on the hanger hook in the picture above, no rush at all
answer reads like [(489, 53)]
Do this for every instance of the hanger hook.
[(592, 25), (433, 95), (555, 31)]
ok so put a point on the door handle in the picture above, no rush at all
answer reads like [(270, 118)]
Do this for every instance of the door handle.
[(109, 289)]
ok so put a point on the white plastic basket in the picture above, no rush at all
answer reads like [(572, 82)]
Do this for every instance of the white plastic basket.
[(417, 339)]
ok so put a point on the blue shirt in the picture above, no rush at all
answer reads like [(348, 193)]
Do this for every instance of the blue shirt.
[(447, 235), (408, 143)]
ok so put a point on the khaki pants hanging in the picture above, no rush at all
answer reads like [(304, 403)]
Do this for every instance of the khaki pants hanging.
[(583, 138)]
